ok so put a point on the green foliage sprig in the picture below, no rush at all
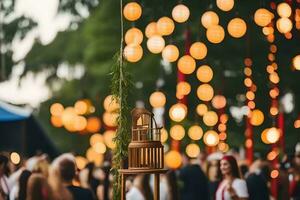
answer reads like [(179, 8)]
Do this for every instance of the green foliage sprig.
[(121, 84)]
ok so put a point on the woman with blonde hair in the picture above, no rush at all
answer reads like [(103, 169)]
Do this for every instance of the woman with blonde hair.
[(38, 188), (60, 192)]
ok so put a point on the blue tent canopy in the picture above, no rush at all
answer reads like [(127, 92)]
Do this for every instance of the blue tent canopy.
[(13, 113)]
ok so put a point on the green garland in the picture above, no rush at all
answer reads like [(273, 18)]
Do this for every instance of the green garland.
[(121, 83), (120, 90)]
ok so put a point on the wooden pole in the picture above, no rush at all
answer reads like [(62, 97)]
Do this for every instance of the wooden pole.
[(123, 189), (156, 186)]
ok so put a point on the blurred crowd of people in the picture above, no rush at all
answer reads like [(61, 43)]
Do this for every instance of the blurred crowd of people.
[(215, 176)]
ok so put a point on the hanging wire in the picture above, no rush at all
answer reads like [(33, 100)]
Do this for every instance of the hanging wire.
[(121, 55)]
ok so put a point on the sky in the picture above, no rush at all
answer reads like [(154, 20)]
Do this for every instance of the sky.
[(32, 89)]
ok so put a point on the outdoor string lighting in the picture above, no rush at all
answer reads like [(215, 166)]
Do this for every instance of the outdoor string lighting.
[(180, 13)]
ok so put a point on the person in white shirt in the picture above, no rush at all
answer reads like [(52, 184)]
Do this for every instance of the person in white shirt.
[(4, 187), (141, 189), (232, 186)]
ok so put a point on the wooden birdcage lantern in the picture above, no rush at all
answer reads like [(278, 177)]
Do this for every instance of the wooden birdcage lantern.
[(145, 151)]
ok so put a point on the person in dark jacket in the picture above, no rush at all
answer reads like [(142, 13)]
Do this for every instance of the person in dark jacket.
[(257, 182), (195, 183), (67, 170)]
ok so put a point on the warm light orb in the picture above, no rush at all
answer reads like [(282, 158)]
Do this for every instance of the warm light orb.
[(256, 117), (296, 62), (165, 26), (151, 29), (170, 53), (56, 121), (219, 101), (201, 109), (56, 109), (134, 36), (96, 138), (110, 119), (15, 158), (110, 104), (205, 92), (250, 95), (180, 13), (68, 116), (211, 138), (81, 107), (274, 78), (163, 135), (173, 159), (222, 146), (80, 123), (224, 118), (209, 18), (156, 44), (157, 99), (99, 147), (186, 64), (195, 132), (95, 157), (178, 112), (225, 5), (215, 34), (210, 118), (192, 150), (222, 136), (263, 17), (297, 123), (237, 27), (93, 124), (274, 173), (273, 135), (198, 50), (264, 136), (274, 110), (80, 162), (108, 136), (132, 11), (284, 25), (183, 88), (268, 30), (204, 73), (133, 53), (284, 10), (177, 132)]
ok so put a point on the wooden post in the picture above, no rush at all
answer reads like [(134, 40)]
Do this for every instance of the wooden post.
[(123, 189), (156, 186)]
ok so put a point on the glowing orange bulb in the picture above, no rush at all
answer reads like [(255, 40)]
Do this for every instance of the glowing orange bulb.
[(273, 48), (224, 118), (274, 173), (248, 82), (222, 136), (274, 111), (251, 105), (271, 57), (248, 62), (249, 143), (250, 95), (270, 69), (297, 123), (248, 71), (274, 93), (222, 127)]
